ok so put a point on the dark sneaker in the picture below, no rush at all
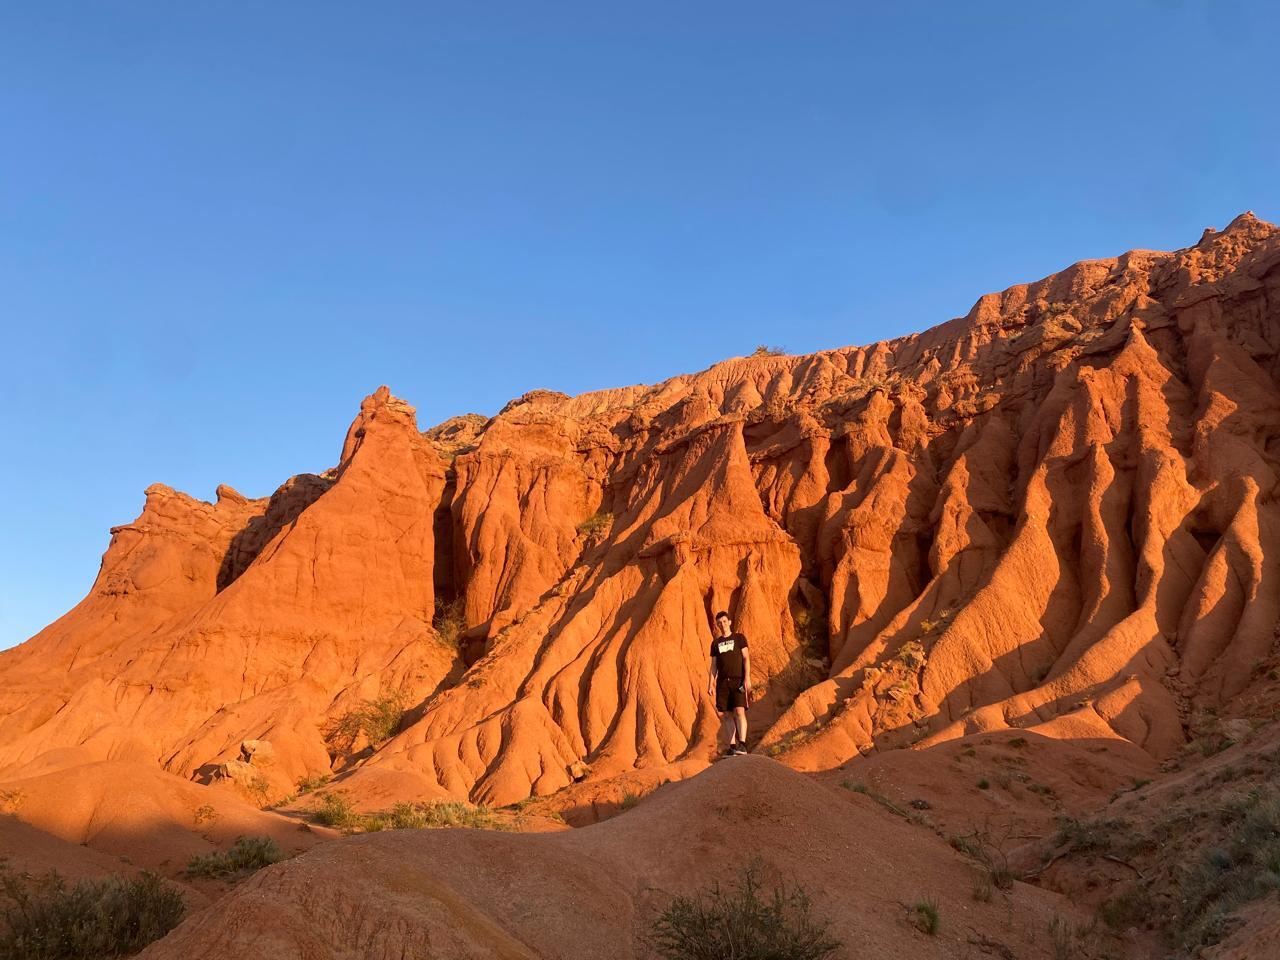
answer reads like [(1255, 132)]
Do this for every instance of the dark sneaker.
[(738, 750), (730, 750)]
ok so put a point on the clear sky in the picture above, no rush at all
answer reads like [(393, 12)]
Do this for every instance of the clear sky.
[(224, 223)]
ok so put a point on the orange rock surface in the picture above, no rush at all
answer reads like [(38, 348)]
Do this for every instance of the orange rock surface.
[(1053, 513)]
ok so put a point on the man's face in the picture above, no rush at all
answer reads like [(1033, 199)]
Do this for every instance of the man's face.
[(723, 625)]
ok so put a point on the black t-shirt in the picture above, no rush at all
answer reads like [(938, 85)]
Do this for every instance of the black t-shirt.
[(727, 653)]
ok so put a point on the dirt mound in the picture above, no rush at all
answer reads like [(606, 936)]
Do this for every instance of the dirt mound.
[(593, 892), (141, 816)]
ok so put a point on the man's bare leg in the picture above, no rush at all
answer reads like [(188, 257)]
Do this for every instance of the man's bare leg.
[(740, 725), (733, 727)]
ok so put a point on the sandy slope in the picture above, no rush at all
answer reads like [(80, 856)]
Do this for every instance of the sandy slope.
[(591, 893)]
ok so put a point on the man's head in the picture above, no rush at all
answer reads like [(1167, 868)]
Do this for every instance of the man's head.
[(723, 623)]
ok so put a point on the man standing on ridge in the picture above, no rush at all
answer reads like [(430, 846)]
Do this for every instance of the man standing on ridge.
[(729, 680)]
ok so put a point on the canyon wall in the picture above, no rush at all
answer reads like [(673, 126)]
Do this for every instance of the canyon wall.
[(1056, 513)]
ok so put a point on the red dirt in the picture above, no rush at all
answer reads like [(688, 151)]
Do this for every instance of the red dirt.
[(591, 893)]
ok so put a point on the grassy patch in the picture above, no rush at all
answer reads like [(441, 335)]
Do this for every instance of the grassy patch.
[(630, 799), (377, 720), (307, 784), (596, 524), (95, 919), (335, 810), (744, 923), (924, 914), (764, 350), (245, 856), (1244, 868)]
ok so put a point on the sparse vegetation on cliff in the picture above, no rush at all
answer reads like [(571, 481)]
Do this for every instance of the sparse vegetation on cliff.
[(596, 524), (376, 720), (449, 621)]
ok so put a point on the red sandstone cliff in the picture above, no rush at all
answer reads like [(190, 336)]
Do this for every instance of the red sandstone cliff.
[(1057, 513)]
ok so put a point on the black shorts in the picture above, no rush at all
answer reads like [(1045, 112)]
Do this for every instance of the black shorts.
[(730, 693)]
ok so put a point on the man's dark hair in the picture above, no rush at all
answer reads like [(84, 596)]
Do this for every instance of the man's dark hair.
[(723, 613)]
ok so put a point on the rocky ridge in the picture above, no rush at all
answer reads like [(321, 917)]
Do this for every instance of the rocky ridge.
[(1053, 513)]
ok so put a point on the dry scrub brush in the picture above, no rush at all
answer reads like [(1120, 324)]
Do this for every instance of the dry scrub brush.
[(95, 919), (741, 924)]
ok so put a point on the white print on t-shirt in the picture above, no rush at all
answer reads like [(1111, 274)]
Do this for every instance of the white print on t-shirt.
[(724, 646)]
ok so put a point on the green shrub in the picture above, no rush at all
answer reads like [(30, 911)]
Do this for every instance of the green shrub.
[(925, 916), (378, 720), (93, 920), (245, 856), (629, 800), (307, 784), (335, 810), (764, 350), (1088, 836), (449, 621), (596, 523), (742, 925), (432, 816)]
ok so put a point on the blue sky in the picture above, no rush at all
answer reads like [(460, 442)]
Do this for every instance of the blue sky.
[(223, 224)]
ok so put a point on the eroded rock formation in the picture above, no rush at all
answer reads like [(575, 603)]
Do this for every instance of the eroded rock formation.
[(1057, 513)]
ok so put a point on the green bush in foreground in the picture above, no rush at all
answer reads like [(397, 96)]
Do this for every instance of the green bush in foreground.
[(247, 855), (739, 924), (95, 919)]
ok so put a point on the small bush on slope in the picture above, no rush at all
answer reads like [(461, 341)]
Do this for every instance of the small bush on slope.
[(335, 810), (247, 855), (95, 919), (449, 621), (378, 719), (739, 924)]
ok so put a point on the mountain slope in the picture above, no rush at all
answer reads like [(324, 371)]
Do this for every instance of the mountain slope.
[(1056, 512)]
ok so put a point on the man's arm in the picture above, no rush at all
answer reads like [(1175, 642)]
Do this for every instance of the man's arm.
[(746, 673), (711, 678)]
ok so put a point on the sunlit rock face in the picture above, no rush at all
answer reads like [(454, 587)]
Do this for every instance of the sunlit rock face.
[(1057, 512)]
